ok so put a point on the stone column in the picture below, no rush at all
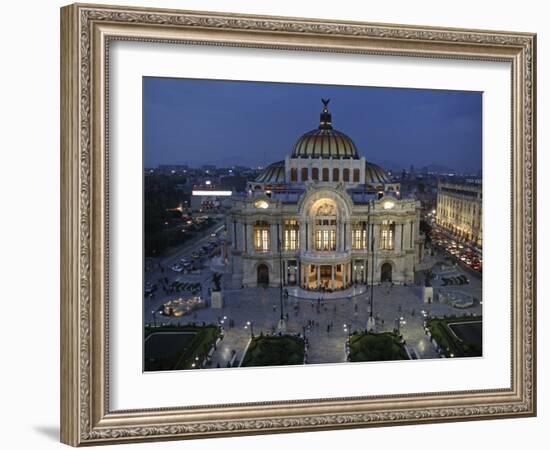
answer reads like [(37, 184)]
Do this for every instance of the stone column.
[(397, 237), (318, 276), (332, 276), (273, 238), (376, 235), (344, 275), (249, 237)]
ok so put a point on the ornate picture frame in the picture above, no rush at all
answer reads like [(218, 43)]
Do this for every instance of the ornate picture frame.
[(86, 34)]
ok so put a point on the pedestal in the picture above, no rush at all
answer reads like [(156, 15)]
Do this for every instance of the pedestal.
[(216, 300), (428, 294), (371, 324)]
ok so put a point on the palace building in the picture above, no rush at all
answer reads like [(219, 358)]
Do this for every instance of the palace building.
[(459, 210), (323, 219)]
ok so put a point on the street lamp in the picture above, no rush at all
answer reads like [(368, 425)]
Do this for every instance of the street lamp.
[(282, 325), (398, 322), (251, 325), (371, 323), (347, 329)]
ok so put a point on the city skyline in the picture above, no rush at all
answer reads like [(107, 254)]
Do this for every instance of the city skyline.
[(227, 123)]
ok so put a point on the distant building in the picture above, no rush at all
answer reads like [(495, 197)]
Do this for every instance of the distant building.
[(459, 210), (322, 219), (167, 169), (208, 196)]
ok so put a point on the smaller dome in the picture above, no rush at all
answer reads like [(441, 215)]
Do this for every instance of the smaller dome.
[(375, 174), (274, 173)]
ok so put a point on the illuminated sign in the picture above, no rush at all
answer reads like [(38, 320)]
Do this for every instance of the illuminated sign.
[(213, 193)]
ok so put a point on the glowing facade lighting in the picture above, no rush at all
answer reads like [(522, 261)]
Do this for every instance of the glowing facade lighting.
[(261, 204)]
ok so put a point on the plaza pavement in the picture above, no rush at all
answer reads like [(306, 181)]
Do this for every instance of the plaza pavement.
[(322, 320)]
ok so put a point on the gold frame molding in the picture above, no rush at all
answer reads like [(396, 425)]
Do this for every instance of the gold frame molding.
[(86, 31)]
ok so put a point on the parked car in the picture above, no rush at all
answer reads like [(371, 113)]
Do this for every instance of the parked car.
[(177, 268)]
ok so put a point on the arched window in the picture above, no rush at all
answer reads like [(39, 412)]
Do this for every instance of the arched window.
[(387, 234), (325, 174), (356, 175), (325, 225), (293, 174), (359, 235), (345, 177), (315, 174), (261, 236), (304, 174), (291, 235), (335, 174)]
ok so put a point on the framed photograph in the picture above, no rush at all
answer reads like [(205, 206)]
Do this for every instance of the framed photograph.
[(275, 224)]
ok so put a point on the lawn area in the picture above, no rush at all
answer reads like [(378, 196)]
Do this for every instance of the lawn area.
[(376, 347), (274, 351), (177, 348), (457, 336)]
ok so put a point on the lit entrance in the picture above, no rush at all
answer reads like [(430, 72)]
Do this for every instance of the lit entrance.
[(385, 272), (326, 278), (263, 275)]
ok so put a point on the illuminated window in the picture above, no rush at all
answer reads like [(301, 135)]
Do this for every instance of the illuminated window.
[(291, 235), (386, 235), (304, 174), (325, 225), (315, 174), (359, 235), (325, 240), (325, 174), (356, 175), (261, 236)]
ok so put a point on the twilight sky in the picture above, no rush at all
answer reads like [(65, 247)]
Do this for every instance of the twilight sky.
[(229, 123)]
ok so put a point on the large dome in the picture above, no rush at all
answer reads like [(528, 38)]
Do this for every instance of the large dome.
[(325, 142)]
